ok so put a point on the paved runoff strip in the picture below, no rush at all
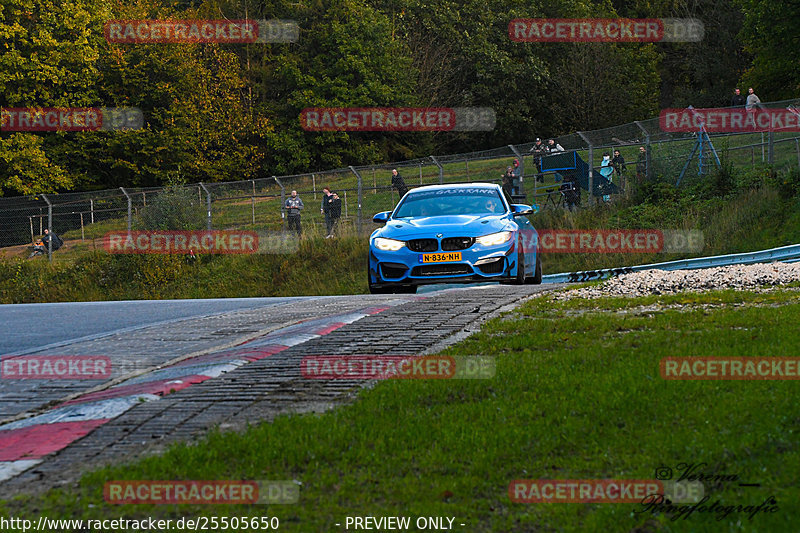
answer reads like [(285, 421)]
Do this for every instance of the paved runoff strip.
[(230, 388), (25, 442)]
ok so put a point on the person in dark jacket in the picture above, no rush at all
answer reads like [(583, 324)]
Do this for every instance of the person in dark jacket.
[(738, 99), (324, 208), (44, 243), (570, 191), (618, 162), (399, 183), (539, 150), (334, 212), (641, 164), (508, 182)]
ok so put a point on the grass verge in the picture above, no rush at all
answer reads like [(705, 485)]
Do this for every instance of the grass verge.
[(577, 395), (319, 266)]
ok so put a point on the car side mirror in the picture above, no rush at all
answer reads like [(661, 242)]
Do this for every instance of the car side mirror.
[(519, 210), (382, 217)]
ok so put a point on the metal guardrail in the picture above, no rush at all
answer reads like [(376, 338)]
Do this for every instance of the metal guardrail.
[(789, 253)]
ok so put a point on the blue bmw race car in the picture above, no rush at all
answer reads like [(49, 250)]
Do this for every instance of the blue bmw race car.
[(453, 233)]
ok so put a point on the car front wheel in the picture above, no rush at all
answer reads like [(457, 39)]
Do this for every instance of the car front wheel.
[(537, 276), (520, 279)]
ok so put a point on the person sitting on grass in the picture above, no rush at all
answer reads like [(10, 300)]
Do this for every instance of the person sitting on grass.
[(40, 247)]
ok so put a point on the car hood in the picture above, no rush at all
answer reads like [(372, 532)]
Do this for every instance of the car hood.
[(448, 226)]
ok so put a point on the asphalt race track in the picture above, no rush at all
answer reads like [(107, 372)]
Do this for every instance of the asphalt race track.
[(181, 368)]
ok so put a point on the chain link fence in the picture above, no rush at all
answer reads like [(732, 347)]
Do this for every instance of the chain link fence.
[(679, 158)]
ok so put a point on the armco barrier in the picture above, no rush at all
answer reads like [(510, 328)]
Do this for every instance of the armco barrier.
[(789, 253)]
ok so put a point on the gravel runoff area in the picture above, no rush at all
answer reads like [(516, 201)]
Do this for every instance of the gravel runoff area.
[(758, 277)]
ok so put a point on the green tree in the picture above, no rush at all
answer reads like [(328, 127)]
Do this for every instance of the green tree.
[(770, 33), (49, 57)]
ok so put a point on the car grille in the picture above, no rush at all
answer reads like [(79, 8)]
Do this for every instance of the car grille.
[(393, 270), (441, 270), (492, 267), (457, 243), (423, 245)]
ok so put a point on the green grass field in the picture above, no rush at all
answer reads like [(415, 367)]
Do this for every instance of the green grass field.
[(577, 395)]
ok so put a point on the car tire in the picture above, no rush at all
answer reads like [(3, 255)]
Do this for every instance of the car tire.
[(537, 276)]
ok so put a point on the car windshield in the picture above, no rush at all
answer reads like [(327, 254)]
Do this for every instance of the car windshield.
[(442, 202)]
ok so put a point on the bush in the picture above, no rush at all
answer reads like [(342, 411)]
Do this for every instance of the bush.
[(176, 208), (788, 184)]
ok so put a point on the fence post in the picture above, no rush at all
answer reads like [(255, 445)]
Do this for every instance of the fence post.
[(83, 235), (253, 200), (91, 209), (30, 219), (208, 204), (420, 173), (591, 167), (441, 169), (144, 199), (374, 182), (49, 227), (314, 185), (129, 206), (283, 201), (360, 197)]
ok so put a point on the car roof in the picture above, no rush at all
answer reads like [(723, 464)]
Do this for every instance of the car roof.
[(472, 185)]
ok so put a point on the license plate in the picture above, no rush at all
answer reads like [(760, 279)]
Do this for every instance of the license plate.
[(440, 258)]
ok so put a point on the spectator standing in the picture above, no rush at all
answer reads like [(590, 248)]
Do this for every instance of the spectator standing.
[(738, 99), (753, 100), (618, 163), (399, 183), (641, 164), (553, 146), (516, 173), (293, 206), (334, 212), (324, 208), (508, 182), (539, 150), (619, 166)]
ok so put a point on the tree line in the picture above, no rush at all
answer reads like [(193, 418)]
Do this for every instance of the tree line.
[(219, 112)]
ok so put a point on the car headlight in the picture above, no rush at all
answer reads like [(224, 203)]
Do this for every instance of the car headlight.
[(388, 245), (493, 239)]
